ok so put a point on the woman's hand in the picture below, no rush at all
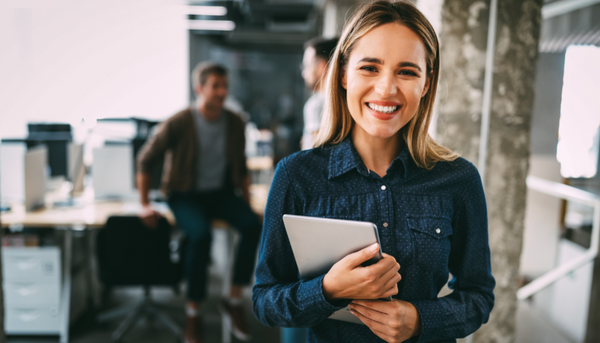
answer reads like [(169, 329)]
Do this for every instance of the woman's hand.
[(393, 321), (347, 279)]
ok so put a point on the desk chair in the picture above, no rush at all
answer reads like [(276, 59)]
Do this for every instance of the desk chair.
[(130, 254)]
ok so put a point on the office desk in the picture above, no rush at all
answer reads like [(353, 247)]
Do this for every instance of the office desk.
[(91, 215)]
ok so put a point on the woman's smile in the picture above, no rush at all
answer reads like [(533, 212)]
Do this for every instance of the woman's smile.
[(383, 110)]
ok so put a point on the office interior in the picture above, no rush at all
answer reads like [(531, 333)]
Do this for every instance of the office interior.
[(87, 82)]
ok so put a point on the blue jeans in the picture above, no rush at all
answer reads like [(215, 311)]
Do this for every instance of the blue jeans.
[(193, 212)]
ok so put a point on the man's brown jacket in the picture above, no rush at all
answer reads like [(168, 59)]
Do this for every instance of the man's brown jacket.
[(176, 140)]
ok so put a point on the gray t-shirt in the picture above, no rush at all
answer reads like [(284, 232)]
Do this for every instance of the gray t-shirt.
[(212, 162)]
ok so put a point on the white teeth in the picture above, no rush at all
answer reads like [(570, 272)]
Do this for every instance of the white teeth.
[(382, 109)]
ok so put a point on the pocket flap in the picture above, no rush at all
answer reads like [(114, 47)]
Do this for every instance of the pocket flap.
[(437, 227)]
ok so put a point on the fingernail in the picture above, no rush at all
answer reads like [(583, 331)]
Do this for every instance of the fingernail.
[(374, 247)]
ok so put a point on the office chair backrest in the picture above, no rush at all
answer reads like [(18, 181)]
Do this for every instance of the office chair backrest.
[(129, 253)]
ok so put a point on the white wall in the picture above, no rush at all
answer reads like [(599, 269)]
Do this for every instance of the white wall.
[(64, 60)]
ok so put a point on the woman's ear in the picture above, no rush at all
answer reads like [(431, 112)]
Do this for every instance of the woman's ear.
[(343, 80), (427, 84)]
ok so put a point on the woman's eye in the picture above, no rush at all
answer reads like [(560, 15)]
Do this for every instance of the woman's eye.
[(368, 68), (408, 73)]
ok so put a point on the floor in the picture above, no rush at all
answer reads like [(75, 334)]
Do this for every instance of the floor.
[(532, 327)]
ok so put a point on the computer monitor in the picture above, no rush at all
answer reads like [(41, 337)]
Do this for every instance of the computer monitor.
[(112, 172), (48, 127), (134, 130), (76, 168), (12, 172), (36, 160), (56, 136)]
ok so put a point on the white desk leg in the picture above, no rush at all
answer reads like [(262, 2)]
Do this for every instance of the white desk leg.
[(65, 299)]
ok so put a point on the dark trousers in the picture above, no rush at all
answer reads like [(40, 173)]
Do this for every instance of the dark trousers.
[(193, 212)]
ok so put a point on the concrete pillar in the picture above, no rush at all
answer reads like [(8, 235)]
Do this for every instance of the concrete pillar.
[(463, 39)]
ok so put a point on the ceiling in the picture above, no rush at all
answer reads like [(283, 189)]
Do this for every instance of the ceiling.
[(264, 22)]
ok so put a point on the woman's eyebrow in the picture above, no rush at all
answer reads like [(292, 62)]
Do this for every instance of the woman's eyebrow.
[(401, 64), (410, 64), (371, 60)]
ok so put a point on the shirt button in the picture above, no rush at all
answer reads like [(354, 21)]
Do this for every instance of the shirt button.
[(438, 231), (385, 224), (383, 188)]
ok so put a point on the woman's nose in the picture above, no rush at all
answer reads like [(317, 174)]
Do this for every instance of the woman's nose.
[(386, 86)]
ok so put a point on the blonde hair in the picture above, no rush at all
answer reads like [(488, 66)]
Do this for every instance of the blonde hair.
[(337, 121)]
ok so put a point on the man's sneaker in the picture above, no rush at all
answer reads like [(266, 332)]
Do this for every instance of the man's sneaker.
[(237, 318), (193, 330)]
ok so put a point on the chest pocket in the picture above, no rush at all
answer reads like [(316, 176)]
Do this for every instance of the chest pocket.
[(432, 240)]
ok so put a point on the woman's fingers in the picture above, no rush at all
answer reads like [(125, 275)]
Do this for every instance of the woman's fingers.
[(382, 279), (375, 271), (348, 280), (370, 313), (356, 259), (392, 277), (378, 328)]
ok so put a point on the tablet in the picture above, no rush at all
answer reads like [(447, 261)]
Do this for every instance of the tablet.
[(318, 243)]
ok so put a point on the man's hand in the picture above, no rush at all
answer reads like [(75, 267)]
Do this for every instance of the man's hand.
[(393, 321), (149, 216), (347, 279)]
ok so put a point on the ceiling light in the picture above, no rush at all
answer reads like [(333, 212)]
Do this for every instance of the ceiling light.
[(206, 10), (211, 25)]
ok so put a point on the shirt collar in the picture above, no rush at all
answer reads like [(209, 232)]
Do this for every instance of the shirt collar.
[(344, 158)]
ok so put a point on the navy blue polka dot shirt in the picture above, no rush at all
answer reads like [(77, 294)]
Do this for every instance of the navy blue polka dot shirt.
[(433, 222)]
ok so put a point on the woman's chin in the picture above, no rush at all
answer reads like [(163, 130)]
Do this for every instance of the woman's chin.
[(381, 133)]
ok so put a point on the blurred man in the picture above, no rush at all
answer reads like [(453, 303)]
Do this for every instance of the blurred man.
[(314, 67), (205, 177)]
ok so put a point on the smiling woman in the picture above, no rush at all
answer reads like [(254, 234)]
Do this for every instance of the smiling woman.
[(385, 79), (375, 162)]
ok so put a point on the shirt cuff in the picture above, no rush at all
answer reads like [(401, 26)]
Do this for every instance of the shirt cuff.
[(431, 314), (312, 298)]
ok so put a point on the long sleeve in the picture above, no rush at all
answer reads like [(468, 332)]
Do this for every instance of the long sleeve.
[(279, 297), (464, 310), (155, 148)]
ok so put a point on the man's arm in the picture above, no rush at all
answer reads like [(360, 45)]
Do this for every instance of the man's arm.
[(142, 181), (148, 215), (147, 158)]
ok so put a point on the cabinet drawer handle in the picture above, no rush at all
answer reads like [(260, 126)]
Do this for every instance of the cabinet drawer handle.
[(26, 317), (26, 265), (25, 292)]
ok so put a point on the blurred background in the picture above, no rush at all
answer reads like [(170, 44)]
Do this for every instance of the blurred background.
[(83, 84)]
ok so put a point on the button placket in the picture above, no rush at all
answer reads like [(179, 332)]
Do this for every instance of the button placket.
[(385, 203)]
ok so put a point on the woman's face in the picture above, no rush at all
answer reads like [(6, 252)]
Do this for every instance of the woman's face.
[(385, 78)]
